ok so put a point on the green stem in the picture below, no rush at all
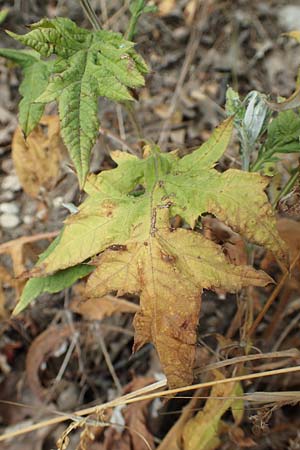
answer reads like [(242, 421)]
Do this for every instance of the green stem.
[(134, 120), (131, 27), (287, 188), (90, 13), (136, 12)]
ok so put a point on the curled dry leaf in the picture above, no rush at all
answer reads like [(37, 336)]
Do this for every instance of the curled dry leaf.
[(37, 158), (39, 351), (233, 245)]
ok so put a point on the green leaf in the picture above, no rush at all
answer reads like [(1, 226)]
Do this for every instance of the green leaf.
[(283, 137), (90, 64), (51, 284), (137, 8), (284, 133), (234, 106), (36, 75)]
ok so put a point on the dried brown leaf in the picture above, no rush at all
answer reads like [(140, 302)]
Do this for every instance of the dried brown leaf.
[(37, 158), (39, 351), (99, 308)]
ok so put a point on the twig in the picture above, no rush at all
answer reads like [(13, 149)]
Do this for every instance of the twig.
[(90, 13), (121, 122), (134, 397), (286, 331), (117, 139), (108, 360), (67, 357), (104, 10), (273, 296), (115, 17), (292, 353), (26, 240)]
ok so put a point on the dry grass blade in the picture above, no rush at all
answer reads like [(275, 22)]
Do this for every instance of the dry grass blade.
[(141, 394), (273, 397), (291, 353)]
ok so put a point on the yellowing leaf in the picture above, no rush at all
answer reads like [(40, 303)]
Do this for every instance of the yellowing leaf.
[(169, 269), (37, 157), (127, 216), (202, 432), (293, 34)]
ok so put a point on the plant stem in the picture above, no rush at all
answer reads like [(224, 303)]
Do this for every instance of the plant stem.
[(289, 185), (133, 119), (90, 14), (131, 27), (135, 15)]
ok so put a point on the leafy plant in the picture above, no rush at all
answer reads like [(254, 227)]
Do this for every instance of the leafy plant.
[(88, 64), (250, 118), (140, 253), (264, 137), (122, 234), (283, 136)]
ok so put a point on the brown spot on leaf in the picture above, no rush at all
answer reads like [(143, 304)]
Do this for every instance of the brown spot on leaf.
[(117, 248), (108, 207), (167, 258)]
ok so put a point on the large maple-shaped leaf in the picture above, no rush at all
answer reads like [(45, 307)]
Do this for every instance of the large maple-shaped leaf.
[(36, 75), (169, 269), (90, 64), (144, 255)]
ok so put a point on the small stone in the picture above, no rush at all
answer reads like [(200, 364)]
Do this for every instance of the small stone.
[(7, 165), (289, 17), (41, 214), (9, 220), (11, 183), (9, 208), (6, 196), (57, 202), (28, 220)]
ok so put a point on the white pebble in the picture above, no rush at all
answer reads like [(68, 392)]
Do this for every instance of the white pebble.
[(289, 17), (28, 220), (11, 183), (9, 221), (57, 202), (9, 208)]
